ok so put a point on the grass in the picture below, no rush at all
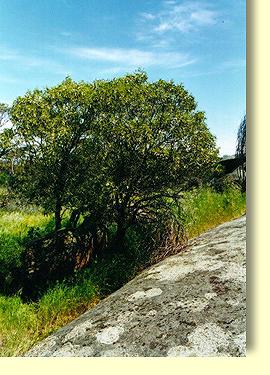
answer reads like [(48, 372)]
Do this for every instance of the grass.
[(205, 209), (23, 324), (14, 228)]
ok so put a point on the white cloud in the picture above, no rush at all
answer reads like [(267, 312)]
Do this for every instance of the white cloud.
[(203, 17), (180, 17), (10, 80), (148, 16), (132, 57), (170, 2)]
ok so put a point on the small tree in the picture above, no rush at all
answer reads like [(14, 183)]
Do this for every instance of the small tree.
[(51, 126)]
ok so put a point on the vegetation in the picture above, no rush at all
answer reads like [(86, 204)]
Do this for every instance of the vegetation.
[(23, 324), (99, 149), (27, 322), (97, 182), (206, 208)]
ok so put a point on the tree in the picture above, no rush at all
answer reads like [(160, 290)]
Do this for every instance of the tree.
[(50, 127), (3, 114), (4, 138), (241, 152), (154, 144), (114, 151), (6, 147)]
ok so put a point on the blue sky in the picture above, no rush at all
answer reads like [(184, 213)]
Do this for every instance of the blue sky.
[(199, 43)]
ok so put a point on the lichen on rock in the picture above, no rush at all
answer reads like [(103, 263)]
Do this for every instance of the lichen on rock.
[(190, 304)]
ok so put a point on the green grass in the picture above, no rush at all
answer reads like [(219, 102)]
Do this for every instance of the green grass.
[(14, 228), (204, 209), (23, 324)]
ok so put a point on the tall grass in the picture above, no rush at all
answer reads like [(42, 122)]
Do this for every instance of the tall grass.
[(18, 326), (14, 228), (204, 209), (23, 324)]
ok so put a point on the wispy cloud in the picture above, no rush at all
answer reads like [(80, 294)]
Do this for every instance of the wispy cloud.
[(65, 33), (131, 57), (148, 16), (222, 68), (28, 61), (178, 17)]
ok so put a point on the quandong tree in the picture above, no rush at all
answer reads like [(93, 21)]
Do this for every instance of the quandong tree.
[(153, 144), (112, 150)]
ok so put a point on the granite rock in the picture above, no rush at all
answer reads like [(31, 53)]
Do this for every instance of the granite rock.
[(192, 304)]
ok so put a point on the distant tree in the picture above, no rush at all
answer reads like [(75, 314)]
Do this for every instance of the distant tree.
[(3, 121), (241, 152), (3, 114), (6, 148)]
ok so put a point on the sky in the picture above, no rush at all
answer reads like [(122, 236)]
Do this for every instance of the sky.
[(201, 44)]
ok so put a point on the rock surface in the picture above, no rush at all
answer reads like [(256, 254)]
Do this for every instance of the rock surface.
[(190, 304)]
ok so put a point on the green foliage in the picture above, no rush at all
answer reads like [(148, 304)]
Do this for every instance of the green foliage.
[(4, 109), (3, 179), (119, 164), (65, 298), (241, 152), (50, 129)]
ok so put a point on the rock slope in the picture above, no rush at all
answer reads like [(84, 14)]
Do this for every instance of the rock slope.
[(191, 304)]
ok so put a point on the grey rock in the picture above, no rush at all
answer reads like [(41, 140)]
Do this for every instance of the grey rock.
[(191, 304)]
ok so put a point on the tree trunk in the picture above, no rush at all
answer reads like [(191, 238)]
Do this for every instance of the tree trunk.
[(121, 224), (12, 166), (120, 233), (74, 218), (95, 242)]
